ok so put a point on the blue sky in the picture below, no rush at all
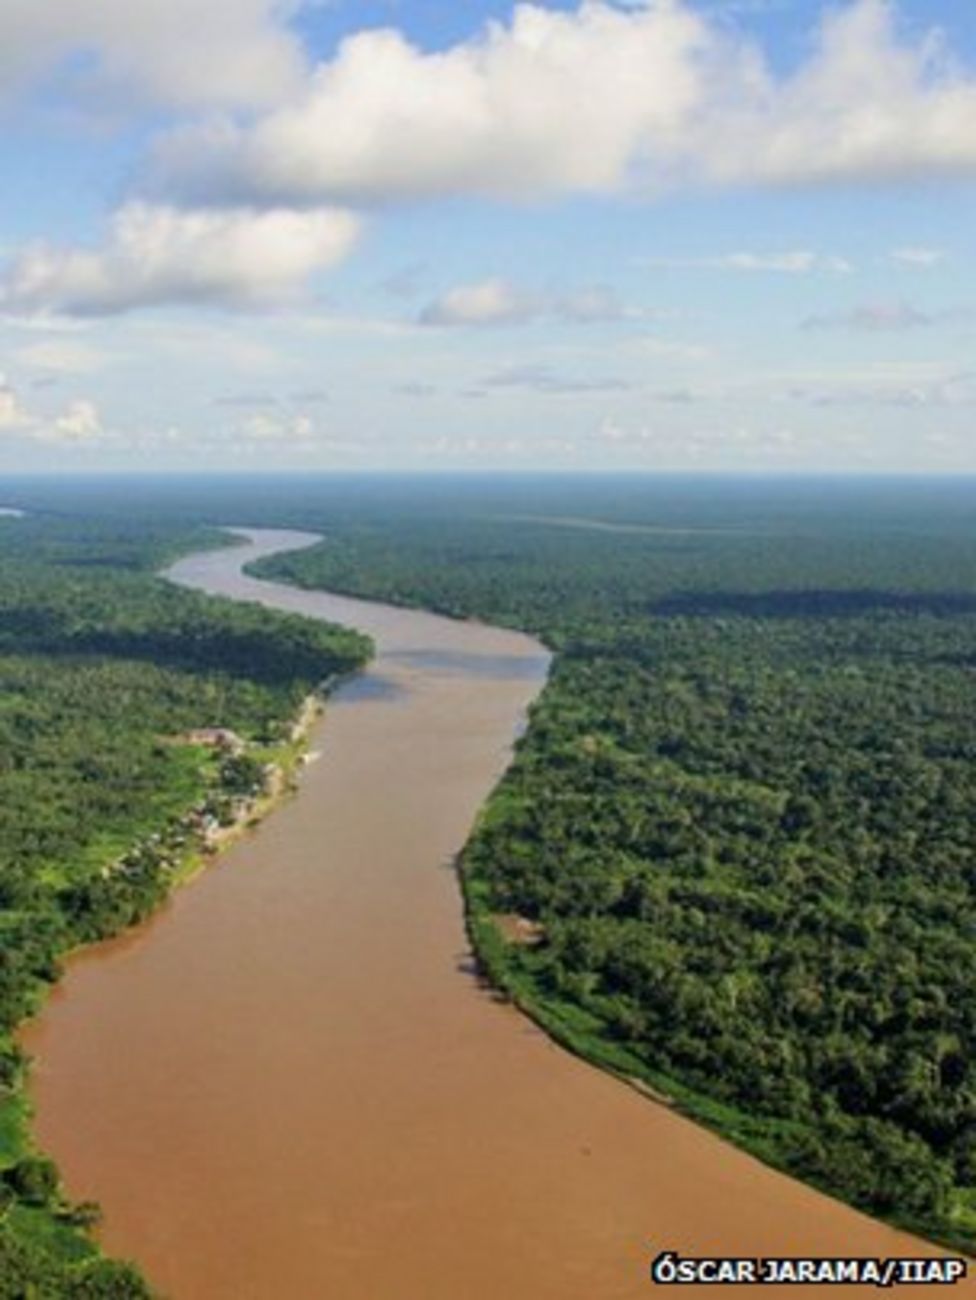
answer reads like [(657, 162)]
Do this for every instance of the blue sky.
[(408, 234)]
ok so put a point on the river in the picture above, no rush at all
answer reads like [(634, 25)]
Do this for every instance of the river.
[(289, 1084)]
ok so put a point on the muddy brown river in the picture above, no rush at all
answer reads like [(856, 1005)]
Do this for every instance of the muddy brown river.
[(289, 1085)]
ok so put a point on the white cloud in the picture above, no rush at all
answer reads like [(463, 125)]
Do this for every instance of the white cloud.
[(158, 255), (226, 53), (597, 100), (499, 302), (80, 423), (283, 434), (13, 417), (266, 427), (553, 102), (488, 302), (794, 262), (866, 105), (797, 263)]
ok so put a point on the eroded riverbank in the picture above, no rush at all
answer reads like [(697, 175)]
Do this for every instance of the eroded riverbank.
[(289, 1084)]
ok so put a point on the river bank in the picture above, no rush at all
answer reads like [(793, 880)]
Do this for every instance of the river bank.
[(181, 852), (213, 786), (281, 767)]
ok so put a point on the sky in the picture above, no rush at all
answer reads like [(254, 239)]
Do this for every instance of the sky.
[(718, 235)]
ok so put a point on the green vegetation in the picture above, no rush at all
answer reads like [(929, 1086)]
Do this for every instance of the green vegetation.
[(104, 803), (749, 848), (741, 819), (740, 822)]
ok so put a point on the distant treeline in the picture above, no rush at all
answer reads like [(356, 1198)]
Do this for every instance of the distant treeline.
[(103, 668)]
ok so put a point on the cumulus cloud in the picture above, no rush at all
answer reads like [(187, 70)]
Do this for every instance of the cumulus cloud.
[(552, 102), (488, 302), (867, 105), (499, 302), (283, 433), (157, 255), (226, 53), (78, 424), (13, 417), (596, 100)]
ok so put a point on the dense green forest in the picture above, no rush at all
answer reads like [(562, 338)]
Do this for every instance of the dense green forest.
[(741, 818), (104, 669)]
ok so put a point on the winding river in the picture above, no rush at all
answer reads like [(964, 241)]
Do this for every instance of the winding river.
[(289, 1085)]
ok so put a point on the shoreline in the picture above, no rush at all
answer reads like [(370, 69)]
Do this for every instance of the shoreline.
[(253, 570), (281, 781), (78, 1221)]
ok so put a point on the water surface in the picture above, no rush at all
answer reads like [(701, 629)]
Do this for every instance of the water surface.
[(290, 1086)]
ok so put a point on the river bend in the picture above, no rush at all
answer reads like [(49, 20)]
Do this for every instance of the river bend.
[(289, 1085)]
